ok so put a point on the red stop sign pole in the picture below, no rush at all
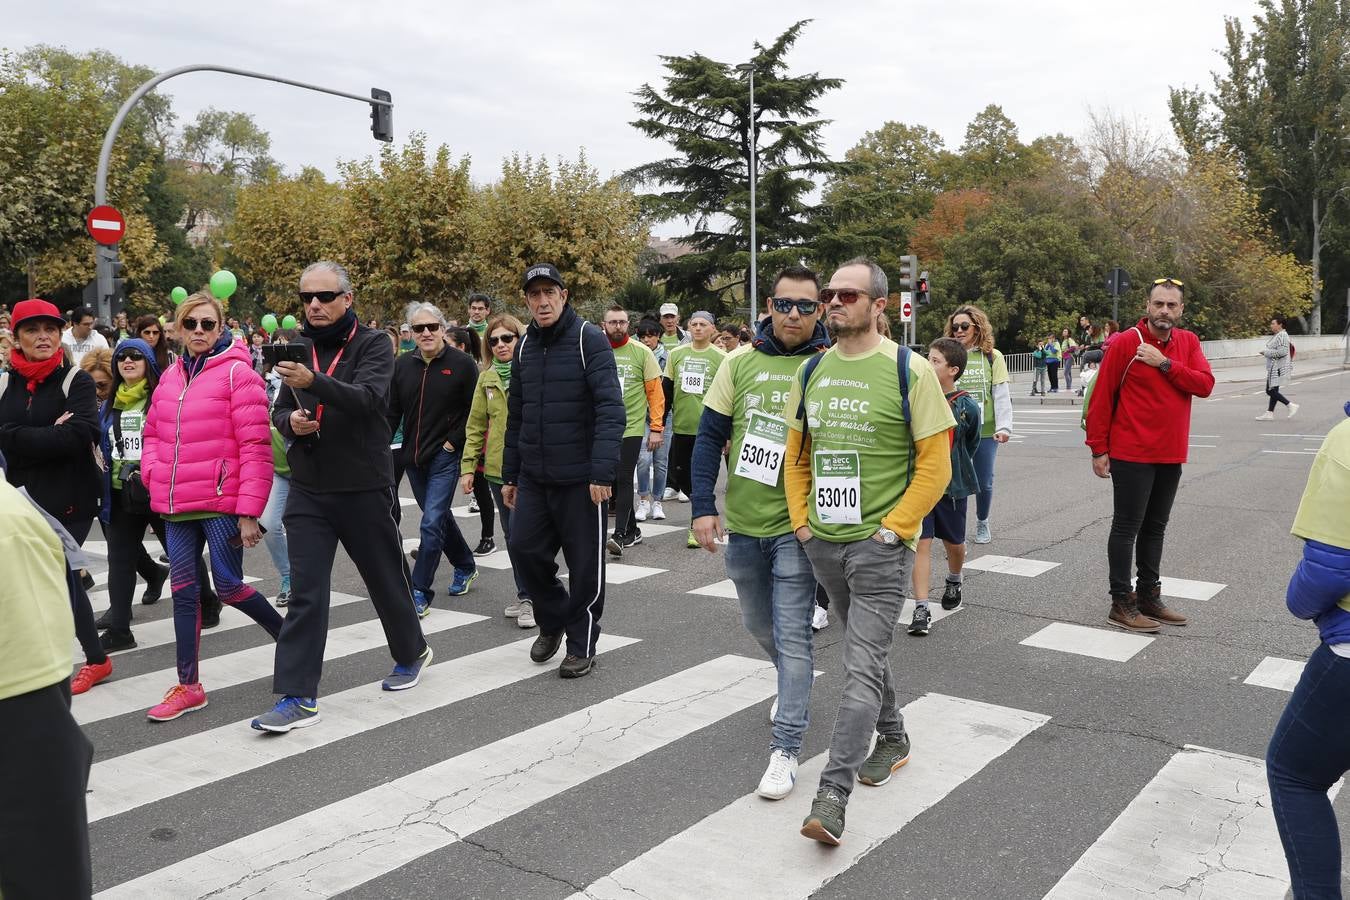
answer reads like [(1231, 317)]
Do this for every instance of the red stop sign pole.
[(106, 225)]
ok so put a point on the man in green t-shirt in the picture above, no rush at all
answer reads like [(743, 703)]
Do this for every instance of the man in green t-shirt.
[(644, 406), (480, 307), (690, 371), (766, 562), (867, 458)]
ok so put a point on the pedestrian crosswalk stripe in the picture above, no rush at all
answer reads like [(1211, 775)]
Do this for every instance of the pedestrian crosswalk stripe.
[(348, 843), (1203, 822), (934, 609), (497, 559), (1276, 673), (1011, 565), (954, 739), (159, 632), (99, 601), (114, 698), (174, 767), (655, 529), (1084, 641), (100, 548), (1190, 590), (620, 573), (725, 589)]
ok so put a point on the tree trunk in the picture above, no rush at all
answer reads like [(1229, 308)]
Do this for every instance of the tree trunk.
[(1316, 316)]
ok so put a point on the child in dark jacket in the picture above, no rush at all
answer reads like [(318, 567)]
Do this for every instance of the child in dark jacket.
[(1310, 749), (947, 521)]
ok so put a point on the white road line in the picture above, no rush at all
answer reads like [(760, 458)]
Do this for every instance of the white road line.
[(1011, 565), (934, 609), (954, 739), (1083, 641), (725, 589), (1301, 437), (350, 842), (176, 766), (619, 573), (1293, 452), (1201, 827), (114, 698), (1277, 674), (101, 600), (1190, 590), (1203, 446)]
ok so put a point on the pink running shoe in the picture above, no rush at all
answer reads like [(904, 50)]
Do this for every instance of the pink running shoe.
[(181, 698)]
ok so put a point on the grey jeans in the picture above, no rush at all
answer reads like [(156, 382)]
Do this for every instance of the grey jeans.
[(865, 582)]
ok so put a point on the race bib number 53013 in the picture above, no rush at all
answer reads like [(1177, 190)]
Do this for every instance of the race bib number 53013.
[(837, 478), (762, 449)]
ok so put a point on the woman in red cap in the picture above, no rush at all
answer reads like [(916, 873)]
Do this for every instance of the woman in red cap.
[(48, 427)]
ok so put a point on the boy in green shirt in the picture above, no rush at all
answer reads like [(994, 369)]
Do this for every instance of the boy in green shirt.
[(689, 374)]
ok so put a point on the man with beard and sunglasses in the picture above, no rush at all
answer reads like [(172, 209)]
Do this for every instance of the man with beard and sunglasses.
[(1139, 426), (333, 416)]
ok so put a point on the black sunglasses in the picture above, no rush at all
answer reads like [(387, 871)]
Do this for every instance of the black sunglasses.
[(191, 324), (785, 305), (322, 296), (962, 326), (501, 339), (846, 295), (133, 355), (426, 326)]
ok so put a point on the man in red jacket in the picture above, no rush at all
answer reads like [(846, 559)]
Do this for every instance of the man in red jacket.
[(1139, 428)]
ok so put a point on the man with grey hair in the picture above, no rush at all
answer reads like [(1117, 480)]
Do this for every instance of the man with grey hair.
[(431, 393), (332, 416)]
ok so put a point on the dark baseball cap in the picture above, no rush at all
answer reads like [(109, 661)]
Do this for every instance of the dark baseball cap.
[(543, 270)]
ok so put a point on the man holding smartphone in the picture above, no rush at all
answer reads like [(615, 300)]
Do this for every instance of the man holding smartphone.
[(332, 410)]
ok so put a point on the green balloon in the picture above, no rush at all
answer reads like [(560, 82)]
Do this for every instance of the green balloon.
[(178, 294), (163, 321), (289, 322), (223, 284), (269, 323)]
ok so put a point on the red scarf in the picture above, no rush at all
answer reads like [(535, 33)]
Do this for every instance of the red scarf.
[(615, 346), (35, 372)]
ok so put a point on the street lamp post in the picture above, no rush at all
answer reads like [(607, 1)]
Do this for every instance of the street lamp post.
[(749, 68)]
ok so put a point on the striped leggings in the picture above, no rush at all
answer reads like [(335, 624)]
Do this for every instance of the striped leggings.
[(185, 542)]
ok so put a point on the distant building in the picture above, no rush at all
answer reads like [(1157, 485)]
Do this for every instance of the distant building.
[(667, 249)]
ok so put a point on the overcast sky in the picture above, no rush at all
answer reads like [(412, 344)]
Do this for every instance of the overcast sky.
[(489, 79)]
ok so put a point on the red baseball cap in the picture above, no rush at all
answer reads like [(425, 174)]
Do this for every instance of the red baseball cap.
[(26, 310)]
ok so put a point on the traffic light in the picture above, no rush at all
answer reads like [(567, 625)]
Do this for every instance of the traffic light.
[(921, 289), (118, 299), (909, 268), (381, 116)]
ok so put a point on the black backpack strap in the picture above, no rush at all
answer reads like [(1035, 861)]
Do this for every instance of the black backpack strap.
[(902, 367), (806, 371)]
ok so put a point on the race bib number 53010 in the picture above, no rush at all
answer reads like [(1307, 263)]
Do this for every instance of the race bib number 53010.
[(837, 478)]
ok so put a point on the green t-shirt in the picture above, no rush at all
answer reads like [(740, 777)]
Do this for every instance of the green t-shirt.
[(861, 448), (978, 380), (752, 388), (1321, 512), (671, 341), (692, 372), (636, 365)]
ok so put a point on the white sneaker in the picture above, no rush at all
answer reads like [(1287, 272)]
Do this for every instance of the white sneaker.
[(1266, 417), (515, 609), (779, 777), (473, 505), (657, 512), (682, 497), (669, 494), (526, 617), (820, 619), (1293, 410), (644, 509)]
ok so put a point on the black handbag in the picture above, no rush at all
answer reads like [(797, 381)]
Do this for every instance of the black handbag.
[(135, 495)]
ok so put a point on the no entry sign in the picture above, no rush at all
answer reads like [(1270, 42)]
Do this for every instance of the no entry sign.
[(106, 225), (906, 311)]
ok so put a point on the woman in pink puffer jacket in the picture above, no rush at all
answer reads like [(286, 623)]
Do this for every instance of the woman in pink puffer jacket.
[(207, 460)]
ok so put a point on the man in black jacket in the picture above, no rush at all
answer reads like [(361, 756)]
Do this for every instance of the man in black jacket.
[(342, 489), (431, 394), (565, 420)]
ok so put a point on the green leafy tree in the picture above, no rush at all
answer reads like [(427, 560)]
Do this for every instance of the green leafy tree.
[(703, 112), (218, 153)]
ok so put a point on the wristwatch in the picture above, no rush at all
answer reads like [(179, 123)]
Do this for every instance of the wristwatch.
[(887, 536), (1165, 366)]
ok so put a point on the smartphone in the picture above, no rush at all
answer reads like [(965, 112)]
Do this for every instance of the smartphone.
[(275, 353)]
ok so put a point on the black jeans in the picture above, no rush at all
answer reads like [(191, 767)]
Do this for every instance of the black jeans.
[(1052, 368), (126, 546), (1143, 502), (482, 495), (624, 518), (1273, 392), (85, 629), (44, 771), (681, 463)]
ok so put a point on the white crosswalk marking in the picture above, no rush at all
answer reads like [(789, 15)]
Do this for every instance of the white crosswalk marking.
[(350, 842), (1276, 673), (954, 740), (100, 601), (173, 767), (1201, 827), (1011, 565), (1113, 645), (725, 589), (1190, 590), (114, 698)]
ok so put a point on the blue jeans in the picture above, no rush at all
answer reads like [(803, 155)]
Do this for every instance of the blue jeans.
[(651, 484), (1308, 753), (778, 595), (984, 477), (504, 512), (271, 519), (434, 486)]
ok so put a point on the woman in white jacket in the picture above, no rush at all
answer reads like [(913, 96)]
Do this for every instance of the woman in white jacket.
[(1279, 366)]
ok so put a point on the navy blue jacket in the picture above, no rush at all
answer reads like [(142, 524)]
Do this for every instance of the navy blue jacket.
[(565, 415)]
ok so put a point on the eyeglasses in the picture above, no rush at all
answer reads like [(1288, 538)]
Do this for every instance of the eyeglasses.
[(962, 326), (501, 339), (846, 295), (1176, 281), (785, 306), (307, 297), (190, 324), (426, 326), (132, 355)]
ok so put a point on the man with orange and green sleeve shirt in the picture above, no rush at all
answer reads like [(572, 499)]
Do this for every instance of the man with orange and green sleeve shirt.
[(644, 405)]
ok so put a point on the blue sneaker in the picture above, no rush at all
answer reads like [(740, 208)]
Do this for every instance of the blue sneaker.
[(463, 578), (404, 677), (422, 600), (290, 712)]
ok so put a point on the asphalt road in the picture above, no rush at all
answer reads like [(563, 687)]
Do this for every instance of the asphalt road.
[(1030, 764)]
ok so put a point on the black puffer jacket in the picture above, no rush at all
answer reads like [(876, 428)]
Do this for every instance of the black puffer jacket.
[(565, 415), (54, 462)]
